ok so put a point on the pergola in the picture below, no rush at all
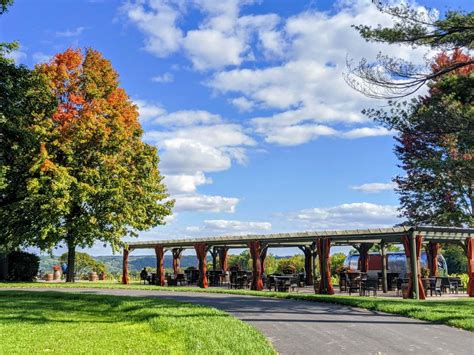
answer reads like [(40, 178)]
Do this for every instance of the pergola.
[(318, 244)]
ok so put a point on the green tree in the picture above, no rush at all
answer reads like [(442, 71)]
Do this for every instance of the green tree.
[(388, 77), (337, 260), (435, 146), (295, 262), (91, 177), (455, 259), (84, 264)]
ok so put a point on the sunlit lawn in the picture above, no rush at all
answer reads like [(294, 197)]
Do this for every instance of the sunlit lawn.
[(61, 323), (454, 312)]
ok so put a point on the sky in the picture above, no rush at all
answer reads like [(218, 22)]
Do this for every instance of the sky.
[(246, 101)]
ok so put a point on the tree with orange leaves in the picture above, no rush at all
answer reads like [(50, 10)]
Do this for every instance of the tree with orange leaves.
[(105, 179), (435, 145)]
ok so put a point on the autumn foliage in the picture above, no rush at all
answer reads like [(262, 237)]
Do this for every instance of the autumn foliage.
[(90, 176)]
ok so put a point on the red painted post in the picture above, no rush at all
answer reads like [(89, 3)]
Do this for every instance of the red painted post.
[(257, 282), (201, 251), (418, 244), (177, 252), (223, 259), (470, 265), (324, 249), (432, 253), (160, 271), (125, 279), (364, 256)]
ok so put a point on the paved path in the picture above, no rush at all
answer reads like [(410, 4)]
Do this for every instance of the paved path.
[(300, 327)]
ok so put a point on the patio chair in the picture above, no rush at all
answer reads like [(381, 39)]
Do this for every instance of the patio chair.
[(435, 286), (353, 286), (271, 282), (369, 285), (399, 285), (295, 283), (448, 285), (343, 281)]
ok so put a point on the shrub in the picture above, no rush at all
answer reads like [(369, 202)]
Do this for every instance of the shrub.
[(22, 266)]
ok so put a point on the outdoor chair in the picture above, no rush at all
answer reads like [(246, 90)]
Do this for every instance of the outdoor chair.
[(399, 285), (181, 279), (295, 283), (369, 285), (271, 282), (435, 286), (343, 282), (448, 284), (353, 286)]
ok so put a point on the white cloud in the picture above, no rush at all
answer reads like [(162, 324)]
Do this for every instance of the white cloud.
[(164, 78), (348, 216), (185, 183), (293, 135), (308, 87), (188, 118), (148, 110), (157, 20), (74, 32), (40, 57), (367, 132), (242, 104), (375, 187), (232, 225), (18, 56), (212, 49), (205, 203)]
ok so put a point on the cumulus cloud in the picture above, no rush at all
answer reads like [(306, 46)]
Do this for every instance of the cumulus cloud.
[(18, 56), (164, 78), (148, 110), (233, 225), (205, 203), (185, 183), (158, 21), (348, 216), (40, 57), (193, 143), (74, 32), (375, 187)]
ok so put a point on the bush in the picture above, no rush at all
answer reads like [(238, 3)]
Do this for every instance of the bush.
[(22, 266)]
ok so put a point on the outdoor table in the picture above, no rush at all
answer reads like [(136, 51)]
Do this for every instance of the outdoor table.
[(280, 281)]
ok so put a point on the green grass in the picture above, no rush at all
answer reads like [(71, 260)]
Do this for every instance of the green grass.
[(63, 323), (454, 312)]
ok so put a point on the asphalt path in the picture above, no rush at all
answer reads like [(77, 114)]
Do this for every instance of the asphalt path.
[(302, 327)]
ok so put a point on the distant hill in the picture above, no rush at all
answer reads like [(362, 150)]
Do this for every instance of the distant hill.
[(135, 262)]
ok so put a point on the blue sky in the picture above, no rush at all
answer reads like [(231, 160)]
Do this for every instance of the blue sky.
[(246, 101)]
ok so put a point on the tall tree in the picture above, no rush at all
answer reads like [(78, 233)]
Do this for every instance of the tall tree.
[(436, 147), (94, 179), (391, 78)]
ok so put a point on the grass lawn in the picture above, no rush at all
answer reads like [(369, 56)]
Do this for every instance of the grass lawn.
[(454, 312), (62, 323)]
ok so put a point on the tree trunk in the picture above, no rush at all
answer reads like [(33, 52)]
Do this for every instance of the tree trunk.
[(71, 259)]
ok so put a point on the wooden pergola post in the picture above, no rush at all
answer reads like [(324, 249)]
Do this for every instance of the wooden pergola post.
[(307, 264), (223, 259), (383, 255), (160, 271), (363, 250), (214, 253), (324, 250), (263, 256), (177, 252), (125, 278), (257, 282), (469, 248), (412, 244), (432, 251), (201, 252)]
